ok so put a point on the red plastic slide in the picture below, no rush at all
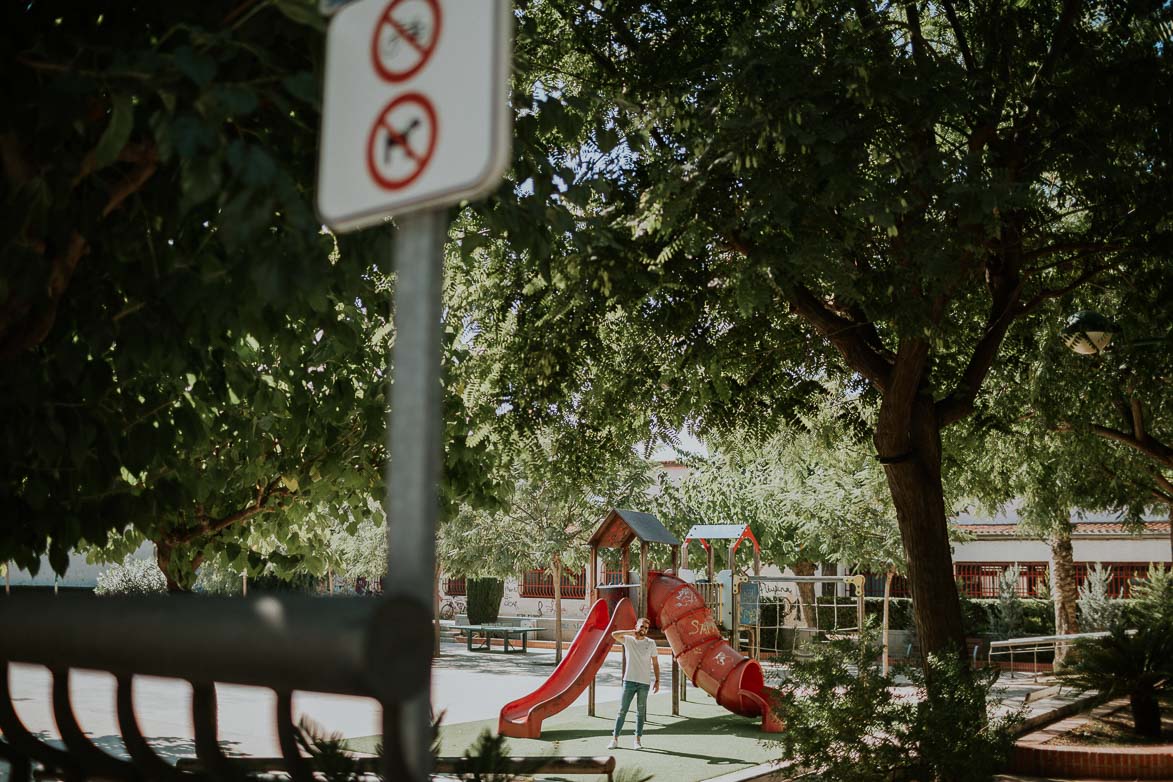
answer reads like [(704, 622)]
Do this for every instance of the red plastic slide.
[(523, 717), (735, 680)]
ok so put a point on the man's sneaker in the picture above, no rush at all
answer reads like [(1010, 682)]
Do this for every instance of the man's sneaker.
[(636, 744), (613, 743)]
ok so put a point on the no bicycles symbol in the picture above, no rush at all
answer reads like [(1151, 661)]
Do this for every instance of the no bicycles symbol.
[(405, 38), (402, 141), (415, 112)]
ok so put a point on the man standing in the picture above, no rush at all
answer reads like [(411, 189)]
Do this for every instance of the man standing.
[(641, 664)]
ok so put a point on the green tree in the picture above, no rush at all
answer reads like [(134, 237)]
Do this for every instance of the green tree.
[(184, 355), (721, 201), (1049, 475), (1124, 396), (546, 516), (811, 492)]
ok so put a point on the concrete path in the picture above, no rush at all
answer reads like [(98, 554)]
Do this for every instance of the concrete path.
[(469, 687)]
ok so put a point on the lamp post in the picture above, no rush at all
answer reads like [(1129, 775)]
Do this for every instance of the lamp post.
[(1088, 333)]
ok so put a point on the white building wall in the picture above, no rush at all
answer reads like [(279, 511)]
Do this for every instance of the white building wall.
[(1098, 549)]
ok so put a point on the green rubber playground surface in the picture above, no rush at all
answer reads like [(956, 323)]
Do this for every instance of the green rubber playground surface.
[(705, 741)]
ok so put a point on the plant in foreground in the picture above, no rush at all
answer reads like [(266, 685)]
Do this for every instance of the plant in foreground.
[(846, 721), (1137, 663)]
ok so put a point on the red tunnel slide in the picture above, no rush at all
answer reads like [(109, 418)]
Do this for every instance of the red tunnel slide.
[(709, 661)]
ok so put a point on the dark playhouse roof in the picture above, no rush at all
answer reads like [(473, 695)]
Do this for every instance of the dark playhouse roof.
[(621, 526)]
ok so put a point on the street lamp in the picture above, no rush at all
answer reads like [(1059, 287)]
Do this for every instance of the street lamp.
[(1088, 332)]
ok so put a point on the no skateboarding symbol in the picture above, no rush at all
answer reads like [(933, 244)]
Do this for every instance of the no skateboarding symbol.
[(402, 141), (405, 38)]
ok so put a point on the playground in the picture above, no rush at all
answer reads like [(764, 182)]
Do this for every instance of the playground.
[(710, 720), (710, 622)]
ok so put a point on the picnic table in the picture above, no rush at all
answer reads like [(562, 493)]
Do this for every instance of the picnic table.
[(506, 632)]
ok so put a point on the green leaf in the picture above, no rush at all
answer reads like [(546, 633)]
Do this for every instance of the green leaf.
[(117, 133), (236, 101), (200, 180), (304, 87), (200, 68), (303, 12)]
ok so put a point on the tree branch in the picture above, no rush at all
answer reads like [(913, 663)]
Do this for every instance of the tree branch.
[(1137, 411), (1151, 448), (1059, 38), (1053, 293), (1069, 247), (146, 156), (851, 339), (1006, 288), (959, 36), (209, 526)]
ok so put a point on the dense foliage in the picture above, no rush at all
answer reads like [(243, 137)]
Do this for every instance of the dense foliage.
[(1136, 659), (722, 202), (846, 721), (184, 355), (809, 489)]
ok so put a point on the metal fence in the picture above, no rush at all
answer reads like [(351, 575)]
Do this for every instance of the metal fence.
[(786, 624), (350, 646), (982, 579)]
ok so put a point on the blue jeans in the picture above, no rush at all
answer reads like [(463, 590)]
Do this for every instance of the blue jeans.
[(640, 693)]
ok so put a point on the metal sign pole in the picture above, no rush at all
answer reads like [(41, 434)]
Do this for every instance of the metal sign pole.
[(415, 451)]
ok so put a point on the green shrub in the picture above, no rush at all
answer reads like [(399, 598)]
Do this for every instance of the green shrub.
[(1135, 663), (271, 583), (1099, 609), (1007, 618), (484, 599), (216, 579), (981, 616), (845, 723), (899, 612), (132, 577)]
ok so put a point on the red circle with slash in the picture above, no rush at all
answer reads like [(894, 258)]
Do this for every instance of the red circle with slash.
[(402, 140), (392, 30)]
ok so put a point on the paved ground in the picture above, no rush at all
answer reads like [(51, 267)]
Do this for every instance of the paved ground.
[(469, 687)]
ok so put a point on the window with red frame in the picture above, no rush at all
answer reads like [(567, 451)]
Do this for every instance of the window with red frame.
[(1124, 575), (540, 583)]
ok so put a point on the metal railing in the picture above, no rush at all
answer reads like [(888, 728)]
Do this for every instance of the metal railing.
[(714, 597), (1034, 645), (379, 649)]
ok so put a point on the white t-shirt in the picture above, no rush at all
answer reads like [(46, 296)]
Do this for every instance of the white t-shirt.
[(638, 667)]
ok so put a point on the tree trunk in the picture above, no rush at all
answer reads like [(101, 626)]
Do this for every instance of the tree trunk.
[(909, 444), (1146, 712), (806, 592), (163, 560), (557, 608), (1064, 591)]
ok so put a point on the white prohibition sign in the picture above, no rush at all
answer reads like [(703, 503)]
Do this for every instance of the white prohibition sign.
[(384, 153), (405, 38), (402, 141)]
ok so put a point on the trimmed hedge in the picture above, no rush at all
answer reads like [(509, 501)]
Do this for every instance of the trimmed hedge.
[(484, 599)]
